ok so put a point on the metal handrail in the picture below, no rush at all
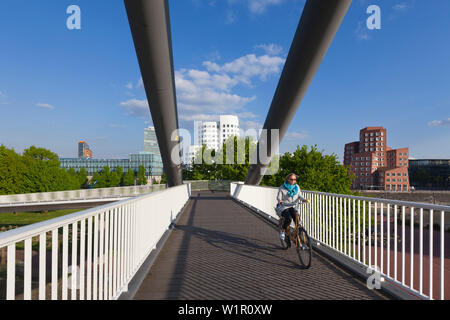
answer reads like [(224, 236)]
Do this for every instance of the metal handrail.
[(372, 233)]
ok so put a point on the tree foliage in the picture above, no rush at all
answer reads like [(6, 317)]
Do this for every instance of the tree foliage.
[(141, 178), (36, 170), (316, 171), (230, 162)]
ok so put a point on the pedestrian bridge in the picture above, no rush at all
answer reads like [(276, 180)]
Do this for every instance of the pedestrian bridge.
[(183, 244)]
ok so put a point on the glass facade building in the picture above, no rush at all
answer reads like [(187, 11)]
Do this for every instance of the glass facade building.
[(151, 162), (430, 174), (151, 142)]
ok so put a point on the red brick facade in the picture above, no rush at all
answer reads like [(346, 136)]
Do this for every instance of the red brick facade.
[(374, 164)]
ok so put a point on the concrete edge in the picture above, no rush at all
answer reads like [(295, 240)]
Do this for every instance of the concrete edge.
[(388, 288), (139, 277)]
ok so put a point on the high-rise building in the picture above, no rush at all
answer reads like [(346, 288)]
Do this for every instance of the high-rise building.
[(229, 126), (83, 150), (209, 135), (189, 156), (150, 141), (375, 165), (212, 134)]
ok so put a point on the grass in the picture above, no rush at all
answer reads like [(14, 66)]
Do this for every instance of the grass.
[(21, 219)]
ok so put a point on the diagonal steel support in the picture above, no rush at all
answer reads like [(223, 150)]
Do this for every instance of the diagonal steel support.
[(150, 26), (316, 30)]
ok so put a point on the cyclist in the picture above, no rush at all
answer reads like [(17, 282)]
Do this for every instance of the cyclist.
[(288, 198)]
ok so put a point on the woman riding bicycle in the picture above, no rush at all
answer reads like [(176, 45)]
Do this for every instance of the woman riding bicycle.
[(288, 198)]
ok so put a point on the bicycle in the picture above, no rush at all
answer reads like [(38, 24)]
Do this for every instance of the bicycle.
[(300, 238)]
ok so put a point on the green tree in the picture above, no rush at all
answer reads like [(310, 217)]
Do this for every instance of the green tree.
[(11, 171), (43, 172), (239, 155), (316, 171), (163, 178), (129, 178), (142, 179), (72, 179), (119, 172), (232, 164), (94, 180), (82, 178)]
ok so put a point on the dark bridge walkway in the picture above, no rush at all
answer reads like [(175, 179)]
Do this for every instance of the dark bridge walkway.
[(221, 250)]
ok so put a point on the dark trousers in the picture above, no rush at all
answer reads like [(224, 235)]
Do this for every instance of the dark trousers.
[(288, 215)]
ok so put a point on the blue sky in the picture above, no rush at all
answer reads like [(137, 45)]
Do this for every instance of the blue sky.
[(59, 85)]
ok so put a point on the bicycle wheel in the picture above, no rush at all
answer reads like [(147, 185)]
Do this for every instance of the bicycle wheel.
[(304, 248)]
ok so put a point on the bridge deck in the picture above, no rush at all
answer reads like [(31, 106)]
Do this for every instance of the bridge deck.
[(221, 250)]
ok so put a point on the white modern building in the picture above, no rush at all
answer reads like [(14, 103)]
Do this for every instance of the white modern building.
[(228, 126), (212, 134), (189, 156), (209, 135)]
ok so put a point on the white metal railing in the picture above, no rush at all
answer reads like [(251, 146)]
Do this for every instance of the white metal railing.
[(102, 248), (83, 194), (374, 233)]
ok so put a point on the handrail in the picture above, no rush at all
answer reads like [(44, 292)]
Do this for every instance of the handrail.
[(377, 234), (81, 194), (107, 246), (380, 200)]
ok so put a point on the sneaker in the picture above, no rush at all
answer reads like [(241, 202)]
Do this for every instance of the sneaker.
[(282, 236)]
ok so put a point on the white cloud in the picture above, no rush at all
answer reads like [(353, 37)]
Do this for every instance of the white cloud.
[(3, 98), (296, 136), (129, 85), (204, 94), (270, 49), (199, 117), (249, 66), (247, 115), (246, 125), (440, 123), (230, 18), (114, 125), (45, 106), (136, 107), (400, 6), (259, 6), (140, 83), (361, 31)]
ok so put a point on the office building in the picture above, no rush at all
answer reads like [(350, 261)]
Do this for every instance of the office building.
[(430, 174), (189, 156), (151, 162), (83, 150), (229, 126), (375, 165), (150, 141), (212, 134)]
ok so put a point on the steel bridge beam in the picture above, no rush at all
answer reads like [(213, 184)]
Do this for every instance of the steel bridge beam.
[(150, 26), (316, 30)]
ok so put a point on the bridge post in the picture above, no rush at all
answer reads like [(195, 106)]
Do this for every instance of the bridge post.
[(315, 32), (150, 27)]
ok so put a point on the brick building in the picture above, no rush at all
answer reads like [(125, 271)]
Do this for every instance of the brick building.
[(375, 165)]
